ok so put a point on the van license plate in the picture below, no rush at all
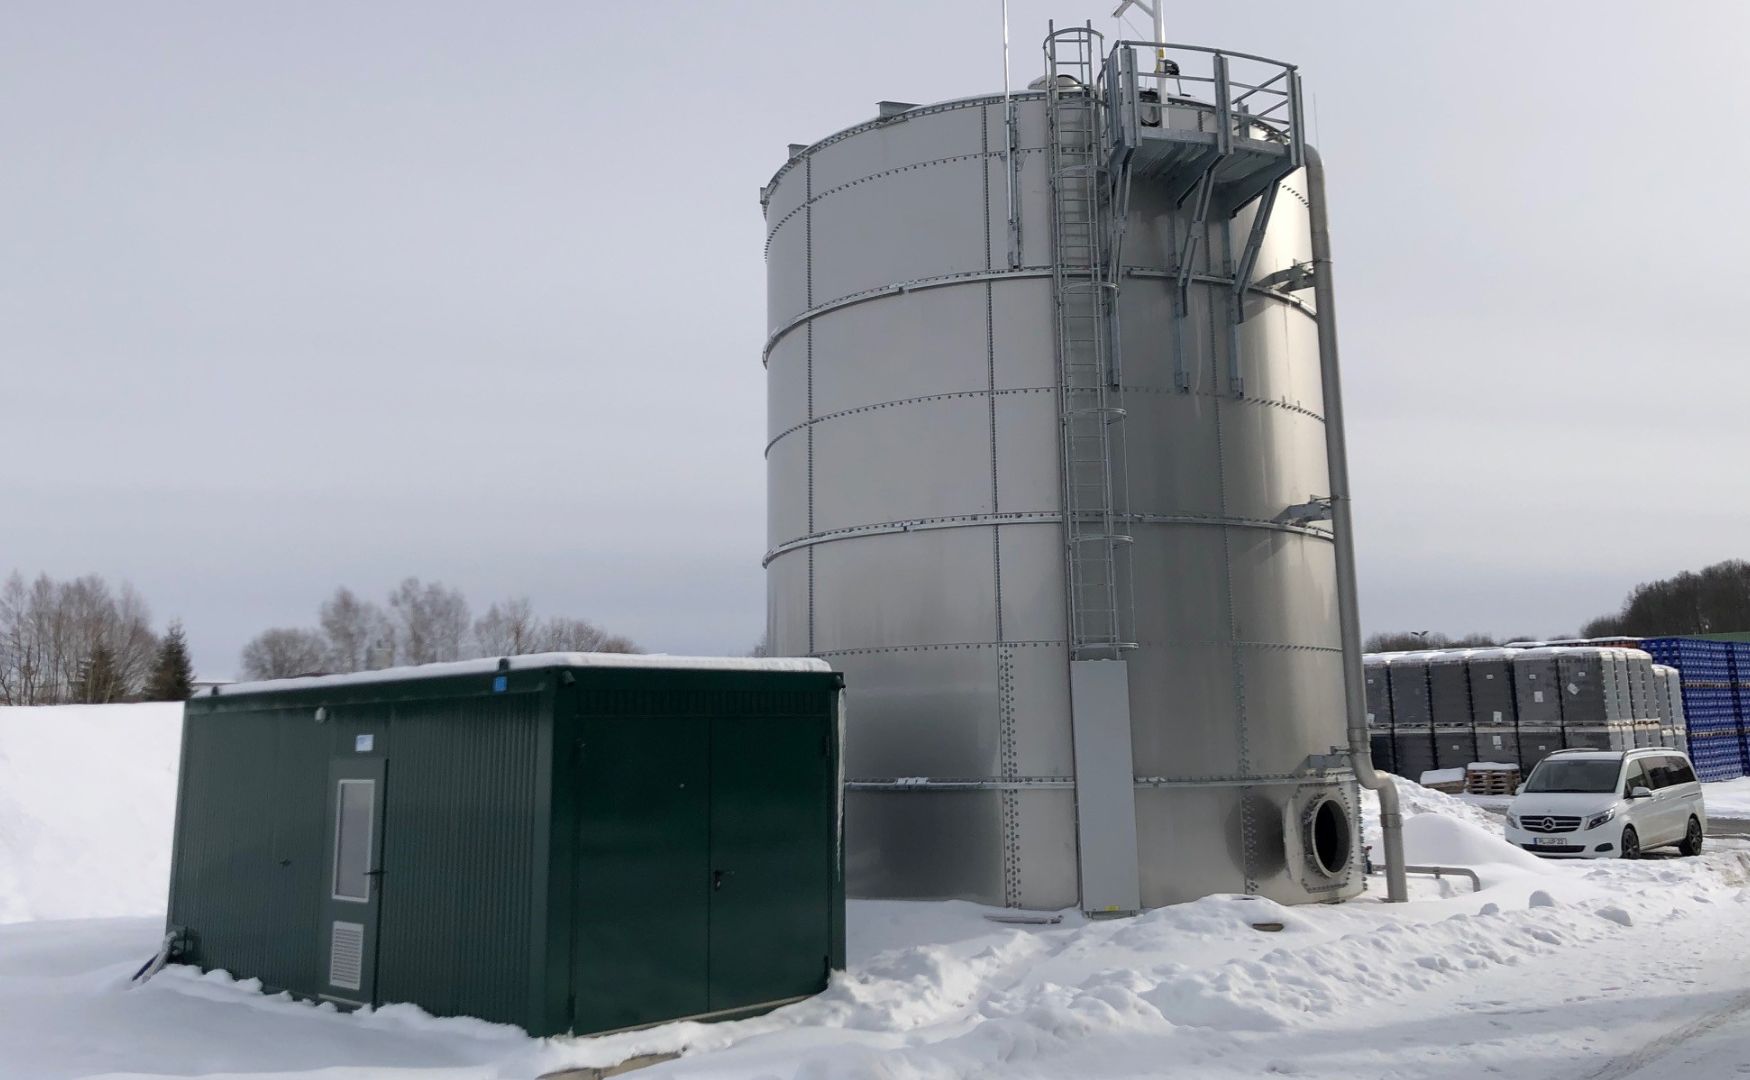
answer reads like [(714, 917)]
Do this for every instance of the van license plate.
[(1549, 841)]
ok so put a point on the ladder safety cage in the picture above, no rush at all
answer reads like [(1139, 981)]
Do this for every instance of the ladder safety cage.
[(1086, 227)]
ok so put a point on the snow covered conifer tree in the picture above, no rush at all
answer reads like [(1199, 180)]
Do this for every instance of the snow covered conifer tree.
[(172, 677)]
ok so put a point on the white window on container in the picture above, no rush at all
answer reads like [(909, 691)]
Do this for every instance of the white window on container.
[(354, 814)]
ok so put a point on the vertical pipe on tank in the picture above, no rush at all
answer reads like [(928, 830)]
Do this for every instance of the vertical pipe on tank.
[(1010, 166), (1391, 820)]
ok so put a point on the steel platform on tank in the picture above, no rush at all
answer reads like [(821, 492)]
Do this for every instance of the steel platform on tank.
[(1179, 156)]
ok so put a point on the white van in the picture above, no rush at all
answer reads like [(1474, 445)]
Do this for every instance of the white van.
[(1601, 804)]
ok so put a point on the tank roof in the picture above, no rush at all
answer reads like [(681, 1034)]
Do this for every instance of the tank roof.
[(896, 118)]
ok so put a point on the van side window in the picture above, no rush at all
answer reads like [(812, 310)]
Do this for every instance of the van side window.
[(1681, 771), (1637, 777), (1658, 772)]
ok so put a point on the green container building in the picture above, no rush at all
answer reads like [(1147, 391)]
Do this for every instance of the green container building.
[(566, 842)]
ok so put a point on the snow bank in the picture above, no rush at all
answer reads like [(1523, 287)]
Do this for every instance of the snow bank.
[(1447, 987), (87, 808), (1416, 800), (1728, 798), (1438, 840)]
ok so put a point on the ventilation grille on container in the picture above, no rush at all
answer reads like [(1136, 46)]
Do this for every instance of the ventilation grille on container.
[(346, 951)]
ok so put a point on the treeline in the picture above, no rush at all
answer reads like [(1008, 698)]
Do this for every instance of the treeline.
[(419, 623), (1715, 600), (1409, 640), (82, 641)]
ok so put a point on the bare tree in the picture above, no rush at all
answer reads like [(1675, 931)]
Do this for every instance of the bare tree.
[(431, 622), (359, 635), (424, 623), (283, 653), (580, 635), (1411, 640), (508, 629), (51, 632)]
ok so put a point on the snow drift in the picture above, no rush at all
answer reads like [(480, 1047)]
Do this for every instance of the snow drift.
[(87, 809)]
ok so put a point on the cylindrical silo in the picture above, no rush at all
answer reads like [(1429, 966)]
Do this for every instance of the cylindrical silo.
[(1047, 477)]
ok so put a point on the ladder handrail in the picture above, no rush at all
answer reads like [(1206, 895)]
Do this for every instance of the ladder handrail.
[(1090, 410)]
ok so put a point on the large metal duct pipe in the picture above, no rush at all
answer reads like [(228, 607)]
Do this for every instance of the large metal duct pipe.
[(1391, 819)]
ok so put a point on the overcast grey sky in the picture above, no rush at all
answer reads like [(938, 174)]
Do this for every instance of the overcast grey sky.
[(301, 294)]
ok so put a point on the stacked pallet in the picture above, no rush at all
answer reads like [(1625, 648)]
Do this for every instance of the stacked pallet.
[(1441, 710), (1491, 778)]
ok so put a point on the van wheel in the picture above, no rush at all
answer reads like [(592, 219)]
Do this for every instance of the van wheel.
[(1691, 845), (1631, 842)]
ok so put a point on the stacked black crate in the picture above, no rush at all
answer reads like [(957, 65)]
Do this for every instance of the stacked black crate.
[(1376, 668), (1449, 696), (1537, 702), (1412, 715), (1492, 706)]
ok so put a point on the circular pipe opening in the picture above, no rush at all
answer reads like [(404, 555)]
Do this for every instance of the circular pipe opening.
[(1329, 837)]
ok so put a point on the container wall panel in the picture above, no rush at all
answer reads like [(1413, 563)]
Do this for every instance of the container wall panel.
[(250, 843), (460, 857)]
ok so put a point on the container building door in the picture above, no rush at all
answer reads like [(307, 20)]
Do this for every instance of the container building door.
[(351, 881), (771, 850), (640, 951)]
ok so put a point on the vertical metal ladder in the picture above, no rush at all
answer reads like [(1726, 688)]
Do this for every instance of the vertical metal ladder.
[(1090, 397)]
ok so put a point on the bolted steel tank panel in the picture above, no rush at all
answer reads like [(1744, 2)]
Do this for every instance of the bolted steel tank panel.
[(917, 520)]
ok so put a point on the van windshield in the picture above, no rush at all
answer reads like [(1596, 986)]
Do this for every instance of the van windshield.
[(1594, 776)]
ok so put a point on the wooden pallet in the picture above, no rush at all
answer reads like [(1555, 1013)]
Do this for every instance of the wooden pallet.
[(1491, 781)]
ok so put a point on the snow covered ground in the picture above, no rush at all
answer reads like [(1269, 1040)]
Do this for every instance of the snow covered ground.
[(1728, 798), (1557, 970), (87, 804)]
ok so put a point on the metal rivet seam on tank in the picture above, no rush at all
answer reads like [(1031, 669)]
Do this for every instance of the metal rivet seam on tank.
[(1272, 780), (1032, 517), (989, 782), (906, 525), (1274, 403), (808, 298), (909, 114), (1280, 646), (990, 382), (1248, 809), (967, 276), (772, 233), (1126, 388), (949, 396), (947, 647), (813, 311), (1011, 771), (1005, 657)]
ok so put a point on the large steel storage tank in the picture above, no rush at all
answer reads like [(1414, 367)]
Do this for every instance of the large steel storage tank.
[(1048, 486)]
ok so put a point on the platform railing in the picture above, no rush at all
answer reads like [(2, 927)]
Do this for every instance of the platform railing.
[(1254, 97)]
